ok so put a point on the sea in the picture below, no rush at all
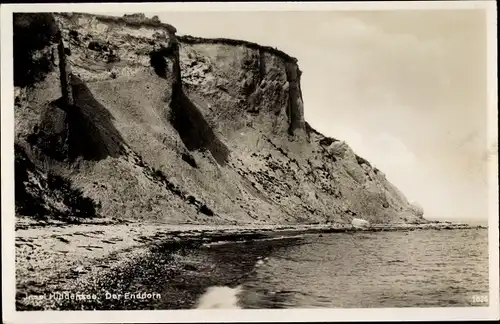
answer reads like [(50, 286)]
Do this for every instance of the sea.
[(420, 268)]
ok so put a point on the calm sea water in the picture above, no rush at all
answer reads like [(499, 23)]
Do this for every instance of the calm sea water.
[(423, 268)]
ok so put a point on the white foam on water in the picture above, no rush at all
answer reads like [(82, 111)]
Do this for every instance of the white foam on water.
[(282, 237), (219, 297)]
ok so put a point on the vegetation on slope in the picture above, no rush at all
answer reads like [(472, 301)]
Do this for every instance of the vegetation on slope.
[(41, 194)]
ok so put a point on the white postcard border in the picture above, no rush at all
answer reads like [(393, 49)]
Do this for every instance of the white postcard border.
[(291, 315)]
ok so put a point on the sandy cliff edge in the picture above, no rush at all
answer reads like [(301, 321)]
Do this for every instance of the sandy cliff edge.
[(196, 130)]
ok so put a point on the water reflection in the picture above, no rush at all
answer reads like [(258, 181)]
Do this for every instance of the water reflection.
[(219, 297), (243, 262)]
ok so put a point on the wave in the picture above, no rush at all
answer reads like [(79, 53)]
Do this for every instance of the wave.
[(282, 237)]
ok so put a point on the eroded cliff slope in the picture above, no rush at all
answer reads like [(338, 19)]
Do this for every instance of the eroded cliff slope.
[(149, 125)]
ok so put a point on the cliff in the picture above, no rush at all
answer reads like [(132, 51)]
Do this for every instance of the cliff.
[(142, 124)]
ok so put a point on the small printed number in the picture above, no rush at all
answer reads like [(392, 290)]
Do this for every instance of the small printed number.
[(480, 299)]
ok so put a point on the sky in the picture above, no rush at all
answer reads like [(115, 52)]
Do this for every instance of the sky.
[(405, 89)]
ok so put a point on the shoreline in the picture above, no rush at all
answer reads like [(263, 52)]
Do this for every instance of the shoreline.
[(92, 259)]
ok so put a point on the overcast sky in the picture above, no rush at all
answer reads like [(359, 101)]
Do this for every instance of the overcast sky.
[(405, 89)]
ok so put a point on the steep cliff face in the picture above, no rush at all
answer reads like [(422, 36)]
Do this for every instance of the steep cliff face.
[(181, 129)]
